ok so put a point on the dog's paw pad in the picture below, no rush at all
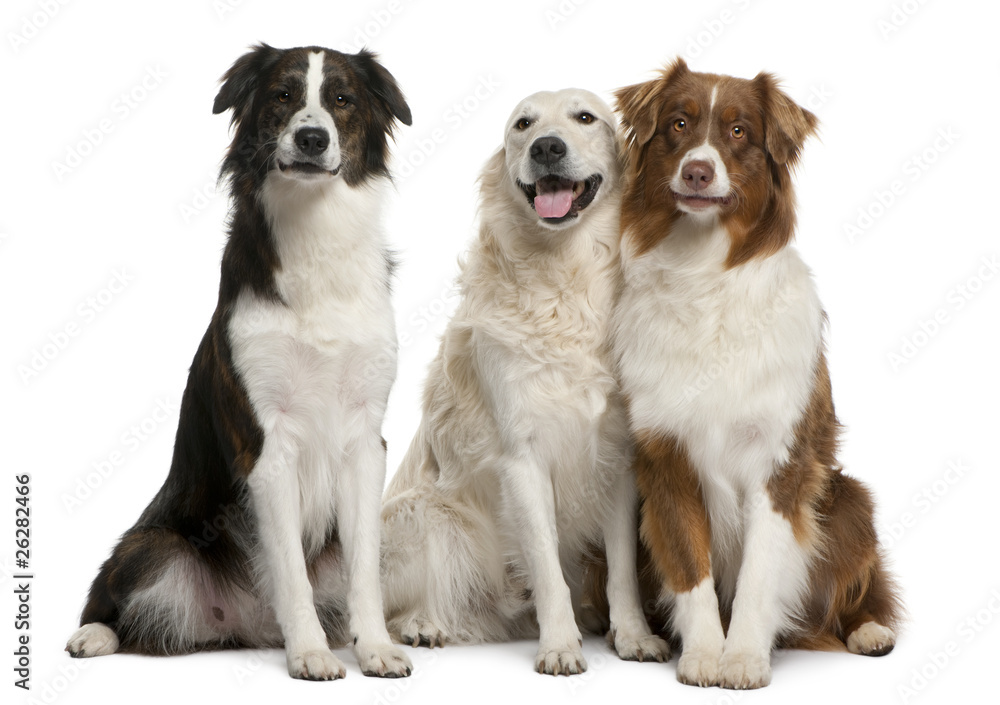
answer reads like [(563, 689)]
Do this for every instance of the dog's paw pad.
[(94, 639), (699, 668), (317, 665), (565, 661), (742, 671), (871, 639), (383, 661)]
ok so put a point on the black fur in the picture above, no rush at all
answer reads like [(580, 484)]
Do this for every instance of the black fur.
[(201, 512)]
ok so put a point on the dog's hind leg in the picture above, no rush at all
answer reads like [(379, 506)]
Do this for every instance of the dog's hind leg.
[(151, 596)]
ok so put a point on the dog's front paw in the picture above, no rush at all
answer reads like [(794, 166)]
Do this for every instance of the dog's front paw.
[(744, 671), (639, 647), (316, 665), (383, 660), (698, 667), (422, 632), (94, 639), (871, 639), (565, 660)]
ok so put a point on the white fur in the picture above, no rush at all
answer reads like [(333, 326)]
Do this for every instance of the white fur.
[(522, 458), (317, 368), (724, 361), (313, 114)]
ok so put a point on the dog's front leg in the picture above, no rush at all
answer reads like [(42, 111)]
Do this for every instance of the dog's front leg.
[(530, 501), (274, 495), (630, 633), (772, 579), (359, 525)]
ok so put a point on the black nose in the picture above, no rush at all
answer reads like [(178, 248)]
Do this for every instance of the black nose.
[(312, 140), (548, 150)]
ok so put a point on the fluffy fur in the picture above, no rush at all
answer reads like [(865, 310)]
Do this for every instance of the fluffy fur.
[(266, 529), (757, 535), (520, 466)]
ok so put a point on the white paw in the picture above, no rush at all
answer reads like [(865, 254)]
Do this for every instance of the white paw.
[(382, 660), (422, 632), (565, 660), (316, 665), (744, 671), (94, 639), (639, 646), (871, 639), (697, 667)]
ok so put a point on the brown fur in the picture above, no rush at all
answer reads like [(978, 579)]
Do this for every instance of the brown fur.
[(831, 514), (761, 218)]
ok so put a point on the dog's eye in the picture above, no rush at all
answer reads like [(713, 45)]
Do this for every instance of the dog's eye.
[(679, 125), (283, 97), (342, 101), (585, 118), (523, 124), (738, 132)]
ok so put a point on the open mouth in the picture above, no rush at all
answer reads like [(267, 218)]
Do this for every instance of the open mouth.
[(306, 168), (557, 199), (702, 202)]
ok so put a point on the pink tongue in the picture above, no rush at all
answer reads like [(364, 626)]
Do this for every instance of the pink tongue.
[(554, 204)]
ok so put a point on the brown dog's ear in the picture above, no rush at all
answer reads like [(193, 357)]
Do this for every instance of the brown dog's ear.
[(384, 86), (786, 125), (636, 104)]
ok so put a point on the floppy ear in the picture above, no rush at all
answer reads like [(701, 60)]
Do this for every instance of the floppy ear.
[(786, 125), (636, 103), (384, 86), (240, 81)]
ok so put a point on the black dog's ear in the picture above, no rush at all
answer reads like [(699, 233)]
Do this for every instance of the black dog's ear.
[(240, 81), (786, 124), (384, 86)]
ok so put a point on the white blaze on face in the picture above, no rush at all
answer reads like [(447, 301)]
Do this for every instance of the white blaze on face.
[(705, 152), (312, 115)]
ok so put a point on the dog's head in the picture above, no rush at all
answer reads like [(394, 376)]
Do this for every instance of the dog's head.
[(559, 158), (707, 146), (310, 113)]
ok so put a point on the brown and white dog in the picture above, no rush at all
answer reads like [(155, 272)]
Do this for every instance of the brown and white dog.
[(266, 530), (719, 340)]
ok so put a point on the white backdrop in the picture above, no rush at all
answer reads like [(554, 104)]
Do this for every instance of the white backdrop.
[(111, 233)]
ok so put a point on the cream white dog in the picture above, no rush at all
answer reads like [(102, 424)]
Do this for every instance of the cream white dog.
[(521, 465)]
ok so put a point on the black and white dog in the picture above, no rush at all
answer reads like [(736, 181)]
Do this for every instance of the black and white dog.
[(279, 445)]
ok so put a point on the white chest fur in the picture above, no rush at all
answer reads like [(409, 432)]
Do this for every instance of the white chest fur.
[(722, 359), (318, 366)]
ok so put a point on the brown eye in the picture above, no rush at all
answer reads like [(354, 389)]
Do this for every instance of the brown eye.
[(523, 124), (738, 132), (679, 125), (283, 97), (341, 101), (585, 118)]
